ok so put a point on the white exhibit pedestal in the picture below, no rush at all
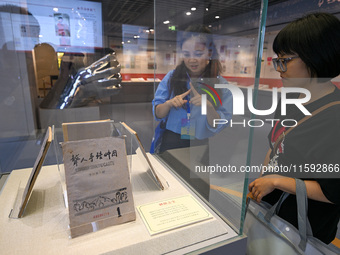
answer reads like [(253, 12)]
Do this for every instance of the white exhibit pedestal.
[(44, 227)]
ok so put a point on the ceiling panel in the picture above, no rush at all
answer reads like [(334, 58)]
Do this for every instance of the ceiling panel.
[(115, 13), (140, 12)]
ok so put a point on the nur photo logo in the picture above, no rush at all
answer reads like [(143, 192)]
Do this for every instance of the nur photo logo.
[(239, 104), (204, 97)]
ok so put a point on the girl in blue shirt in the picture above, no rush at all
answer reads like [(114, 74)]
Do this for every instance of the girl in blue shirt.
[(178, 100)]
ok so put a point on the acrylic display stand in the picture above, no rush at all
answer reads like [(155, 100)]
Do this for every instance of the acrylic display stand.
[(25, 189)]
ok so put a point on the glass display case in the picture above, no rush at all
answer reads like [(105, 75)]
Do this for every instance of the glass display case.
[(72, 61)]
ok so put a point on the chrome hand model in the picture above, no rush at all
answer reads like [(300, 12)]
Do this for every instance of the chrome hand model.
[(99, 80)]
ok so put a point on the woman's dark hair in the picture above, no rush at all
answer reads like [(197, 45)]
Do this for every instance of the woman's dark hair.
[(178, 81), (315, 38)]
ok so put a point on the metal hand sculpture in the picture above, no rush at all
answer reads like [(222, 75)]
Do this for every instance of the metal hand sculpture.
[(99, 80)]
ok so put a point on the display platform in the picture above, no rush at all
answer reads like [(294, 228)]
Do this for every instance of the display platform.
[(44, 227)]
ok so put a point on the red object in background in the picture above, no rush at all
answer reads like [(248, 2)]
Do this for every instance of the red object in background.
[(269, 61)]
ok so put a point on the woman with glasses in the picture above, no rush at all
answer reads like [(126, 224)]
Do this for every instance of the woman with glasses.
[(308, 51), (178, 97)]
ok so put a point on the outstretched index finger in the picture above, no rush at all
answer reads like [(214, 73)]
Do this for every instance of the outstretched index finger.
[(185, 94), (193, 89)]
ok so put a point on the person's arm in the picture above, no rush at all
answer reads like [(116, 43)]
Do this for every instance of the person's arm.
[(267, 158), (211, 114), (265, 163), (211, 111), (162, 110), (264, 185)]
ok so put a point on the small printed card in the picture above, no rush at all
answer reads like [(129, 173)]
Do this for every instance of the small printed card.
[(187, 129), (172, 213), (98, 184)]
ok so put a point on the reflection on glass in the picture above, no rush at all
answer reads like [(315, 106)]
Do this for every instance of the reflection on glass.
[(19, 32)]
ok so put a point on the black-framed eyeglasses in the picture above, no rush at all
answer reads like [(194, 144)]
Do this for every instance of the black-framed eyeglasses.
[(282, 63)]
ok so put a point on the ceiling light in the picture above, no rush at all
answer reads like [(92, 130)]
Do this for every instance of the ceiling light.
[(217, 17), (207, 9), (188, 13), (193, 8), (166, 22)]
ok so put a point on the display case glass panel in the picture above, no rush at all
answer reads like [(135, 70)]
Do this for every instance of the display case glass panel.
[(71, 61)]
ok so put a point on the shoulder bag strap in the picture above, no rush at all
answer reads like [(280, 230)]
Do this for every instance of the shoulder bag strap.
[(317, 111), (276, 207), (305, 229)]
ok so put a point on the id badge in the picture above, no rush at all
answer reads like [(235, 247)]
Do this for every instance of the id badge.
[(187, 129)]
